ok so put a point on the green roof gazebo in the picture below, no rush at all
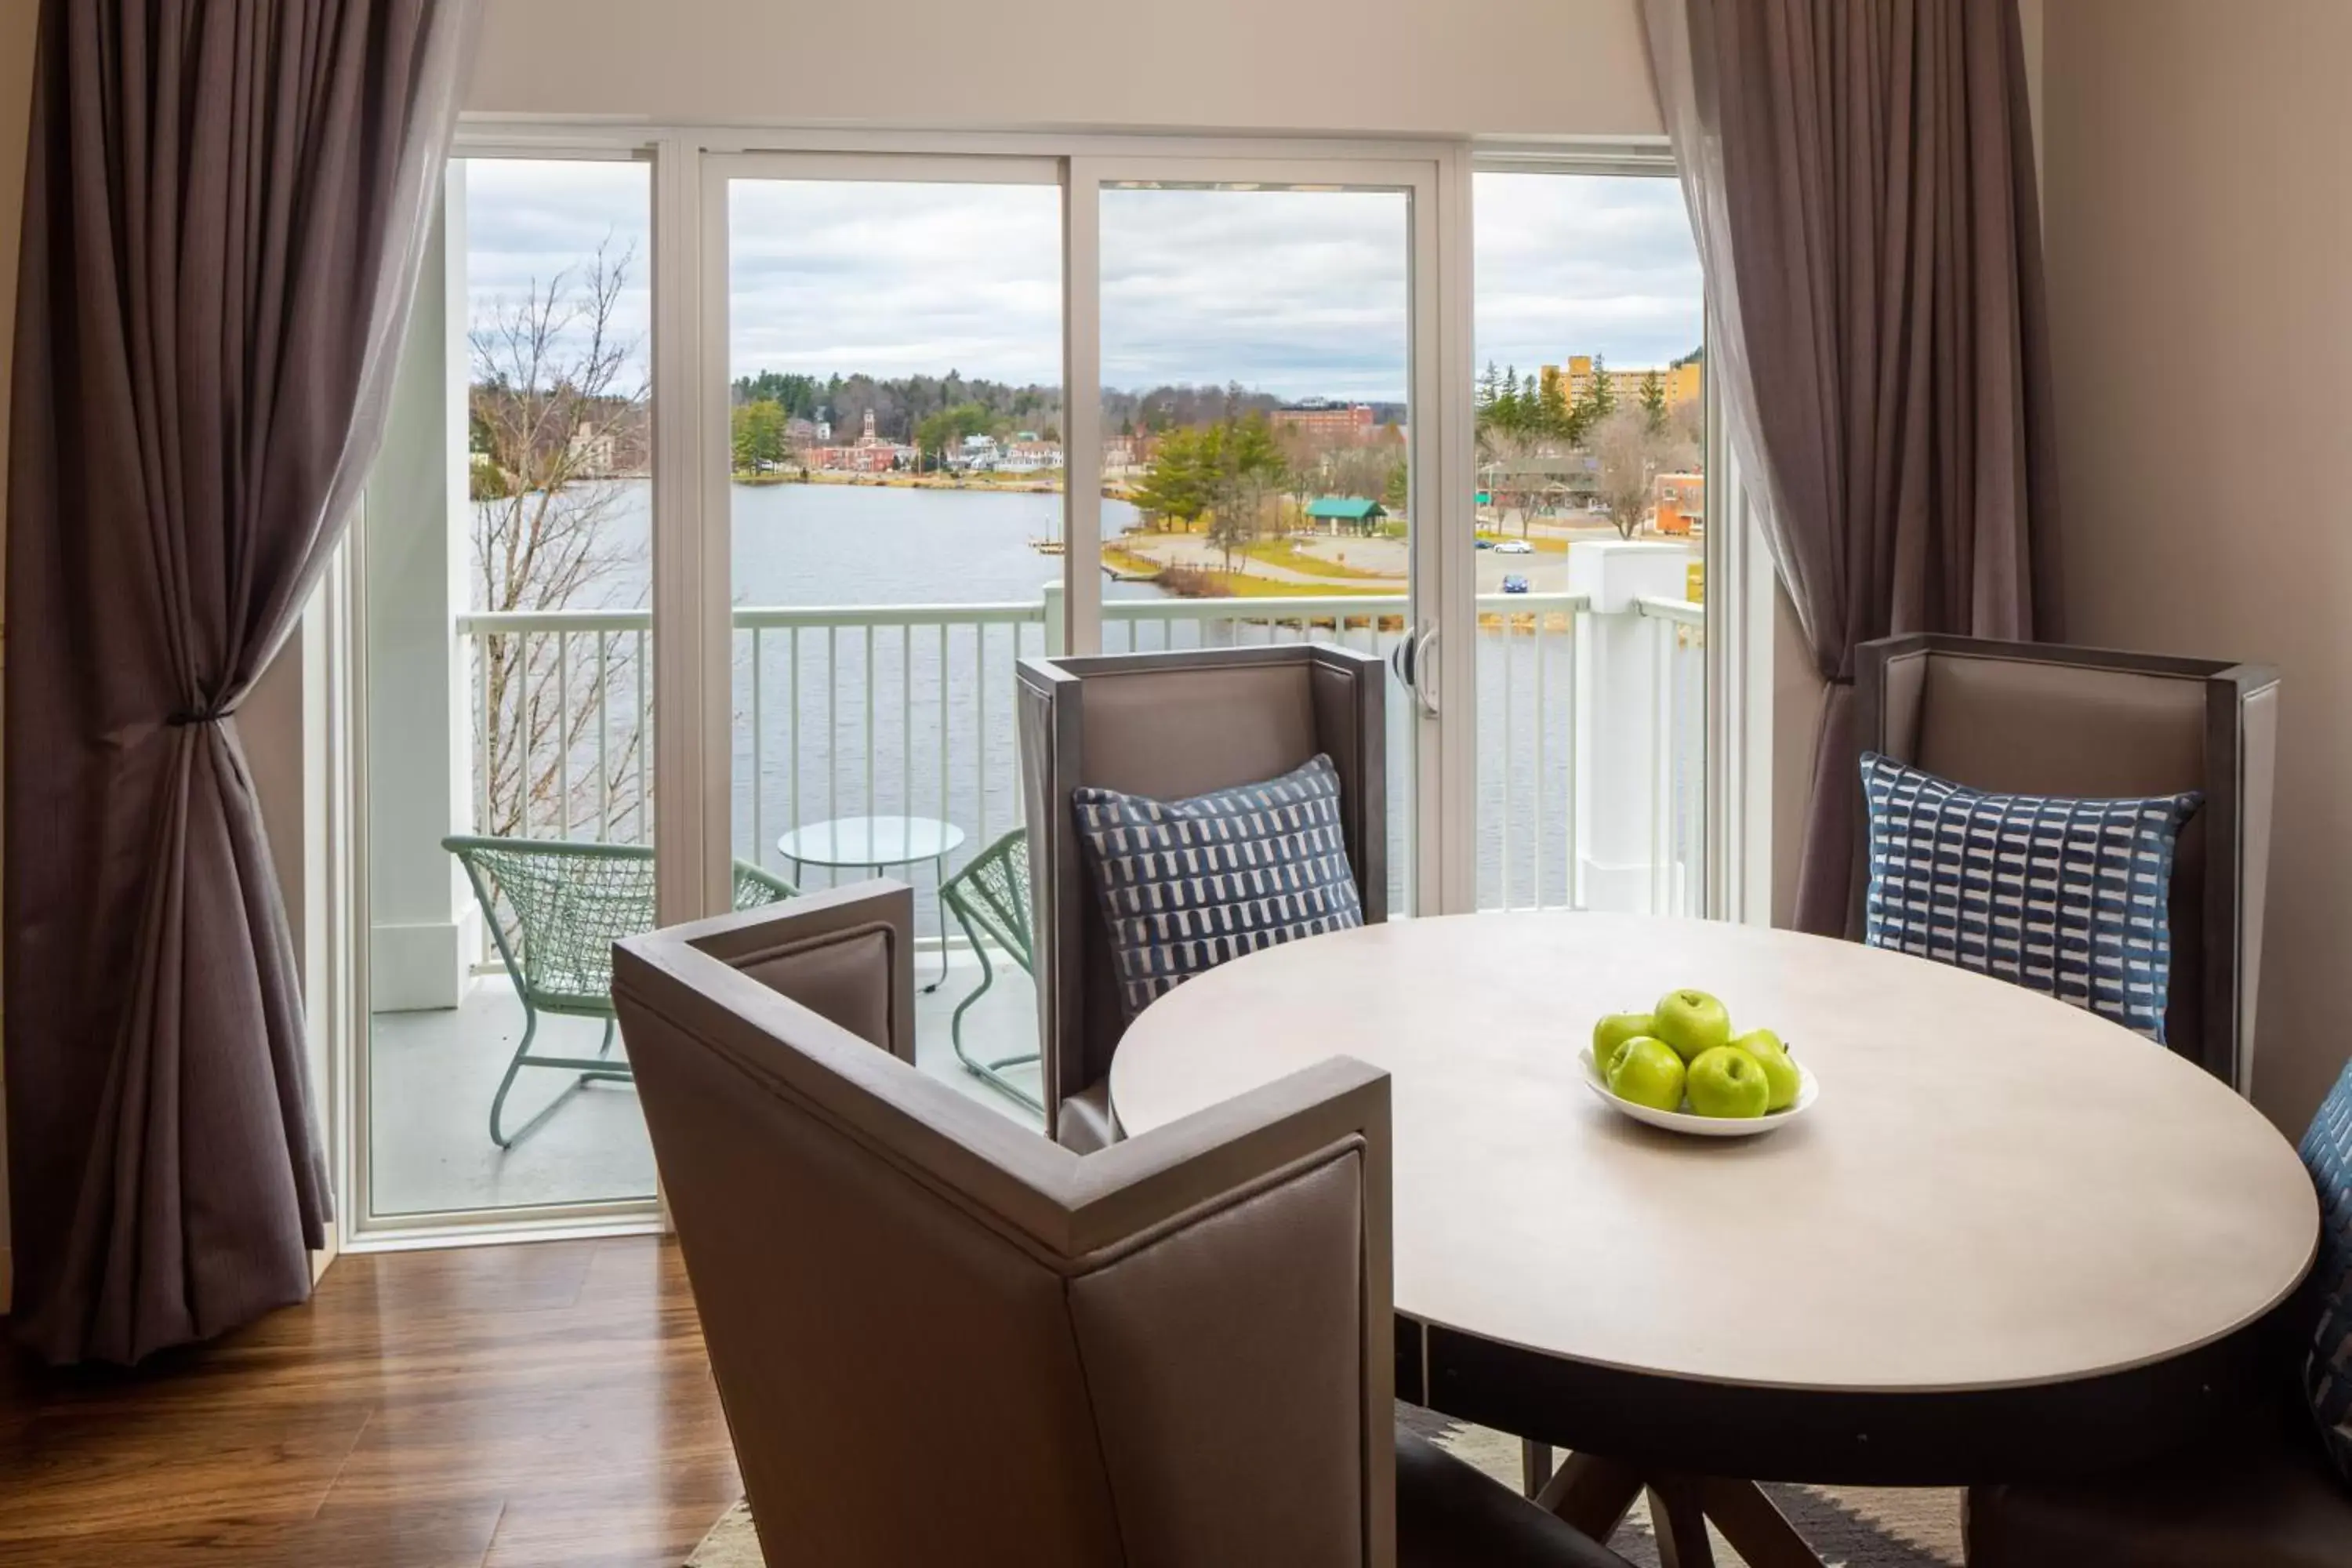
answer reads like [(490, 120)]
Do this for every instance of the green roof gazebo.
[(1350, 513)]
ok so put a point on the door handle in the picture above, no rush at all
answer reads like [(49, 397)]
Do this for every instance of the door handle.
[(1409, 660), (1424, 685)]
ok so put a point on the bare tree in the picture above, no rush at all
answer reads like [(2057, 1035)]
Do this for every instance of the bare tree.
[(1626, 458), (1302, 470), (1630, 456), (1512, 472), (558, 404)]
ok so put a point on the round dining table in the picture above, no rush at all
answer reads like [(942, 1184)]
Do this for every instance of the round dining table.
[(2010, 1240)]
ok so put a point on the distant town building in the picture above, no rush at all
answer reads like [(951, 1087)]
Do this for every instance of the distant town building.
[(1322, 417), (1683, 383), (800, 432), (879, 457), (1681, 503), (1031, 455), (870, 455), (593, 453), (1122, 454)]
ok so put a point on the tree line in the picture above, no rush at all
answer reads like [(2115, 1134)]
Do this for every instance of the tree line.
[(1234, 470), (901, 404), (1533, 439)]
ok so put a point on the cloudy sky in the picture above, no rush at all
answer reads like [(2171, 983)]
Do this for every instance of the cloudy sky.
[(1299, 293)]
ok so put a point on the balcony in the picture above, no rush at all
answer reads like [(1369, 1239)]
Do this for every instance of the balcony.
[(1589, 735)]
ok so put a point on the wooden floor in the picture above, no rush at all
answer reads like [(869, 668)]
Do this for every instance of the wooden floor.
[(491, 1406)]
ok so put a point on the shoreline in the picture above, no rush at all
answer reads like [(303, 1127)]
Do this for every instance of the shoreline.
[(905, 482)]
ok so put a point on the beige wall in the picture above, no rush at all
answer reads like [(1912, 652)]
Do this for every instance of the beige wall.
[(1501, 66), (2197, 214), (16, 19)]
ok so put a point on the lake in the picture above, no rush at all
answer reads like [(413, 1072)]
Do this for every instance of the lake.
[(872, 544), (845, 719)]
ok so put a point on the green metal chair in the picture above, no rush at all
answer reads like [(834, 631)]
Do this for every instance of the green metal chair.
[(991, 899), (569, 902)]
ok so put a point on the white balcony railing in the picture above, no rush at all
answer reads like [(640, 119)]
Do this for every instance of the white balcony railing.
[(909, 710)]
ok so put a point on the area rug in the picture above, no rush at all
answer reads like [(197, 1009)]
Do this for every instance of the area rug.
[(1850, 1527)]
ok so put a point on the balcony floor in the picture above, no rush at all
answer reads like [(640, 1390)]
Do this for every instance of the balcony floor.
[(435, 1072)]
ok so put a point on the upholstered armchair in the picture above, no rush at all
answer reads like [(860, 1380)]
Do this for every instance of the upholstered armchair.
[(939, 1338), (2040, 718), (2256, 1489), (1172, 725)]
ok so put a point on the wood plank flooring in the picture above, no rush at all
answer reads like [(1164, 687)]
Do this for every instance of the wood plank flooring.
[(483, 1406)]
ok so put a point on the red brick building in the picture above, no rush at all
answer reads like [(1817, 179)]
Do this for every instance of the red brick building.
[(1344, 420)]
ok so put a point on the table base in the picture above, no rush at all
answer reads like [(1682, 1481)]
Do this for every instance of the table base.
[(1594, 1494)]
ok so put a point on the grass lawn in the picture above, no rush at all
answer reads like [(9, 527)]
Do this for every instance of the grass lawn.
[(1240, 586), (1127, 564), (1286, 554)]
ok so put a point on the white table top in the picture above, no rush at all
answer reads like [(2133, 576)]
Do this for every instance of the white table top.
[(870, 841), (1995, 1190)]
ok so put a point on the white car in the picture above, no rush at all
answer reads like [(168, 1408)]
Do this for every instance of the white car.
[(1515, 547)]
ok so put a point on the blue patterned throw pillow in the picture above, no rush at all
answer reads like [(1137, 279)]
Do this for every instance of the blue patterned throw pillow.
[(2327, 1370), (1186, 885), (2061, 896)]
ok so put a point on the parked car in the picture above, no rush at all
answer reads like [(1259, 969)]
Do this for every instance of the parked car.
[(1515, 547), (1483, 543), (1515, 584)]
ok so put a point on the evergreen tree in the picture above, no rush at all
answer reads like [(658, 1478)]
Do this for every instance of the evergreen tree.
[(1175, 487), (1599, 402), (1654, 400), (1552, 415)]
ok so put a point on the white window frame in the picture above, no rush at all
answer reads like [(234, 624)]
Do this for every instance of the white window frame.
[(691, 590), (1429, 174), (1737, 812)]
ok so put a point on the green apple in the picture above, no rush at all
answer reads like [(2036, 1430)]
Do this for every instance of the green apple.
[(1610, 1035), (1692, 1022), (1648, 1073), (1780, 1075), (1728, 1082)]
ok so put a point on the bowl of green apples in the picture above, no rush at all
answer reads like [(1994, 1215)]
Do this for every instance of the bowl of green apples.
[(1681, 1067)]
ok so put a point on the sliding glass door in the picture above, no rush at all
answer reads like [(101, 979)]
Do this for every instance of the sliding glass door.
[(895, 513), (1592, 533), (977, 408), (738, 482), (507, 545), (1256, 350)]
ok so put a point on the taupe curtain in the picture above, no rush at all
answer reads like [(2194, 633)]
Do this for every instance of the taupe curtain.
[(1861, 179), (224, 209)]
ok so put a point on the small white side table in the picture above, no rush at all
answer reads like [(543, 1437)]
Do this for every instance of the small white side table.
[(874, 843)]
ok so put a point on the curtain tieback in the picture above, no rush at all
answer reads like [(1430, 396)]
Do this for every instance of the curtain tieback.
[(199, 716)]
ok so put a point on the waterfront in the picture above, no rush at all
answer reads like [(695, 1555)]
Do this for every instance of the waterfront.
[(913, 714)]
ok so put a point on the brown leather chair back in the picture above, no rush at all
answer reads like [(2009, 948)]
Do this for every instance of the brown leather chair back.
[(2039, 719), (939, 1338), (1172, 725)]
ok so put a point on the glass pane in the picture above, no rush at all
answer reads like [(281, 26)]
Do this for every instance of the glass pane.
[(508, 532), (1591, 512), (895, 355), (1255, 356)]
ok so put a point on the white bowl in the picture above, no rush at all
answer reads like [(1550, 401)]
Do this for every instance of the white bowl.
[(1807, 1092)]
